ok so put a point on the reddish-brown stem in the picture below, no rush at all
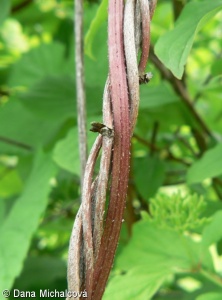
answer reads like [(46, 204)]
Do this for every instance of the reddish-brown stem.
[(131, 60), (129, 215), (119, 117), (102, 182), (100, 194), (87, 214), (120, 169), (74, 280), (152, 4), (145, 16)]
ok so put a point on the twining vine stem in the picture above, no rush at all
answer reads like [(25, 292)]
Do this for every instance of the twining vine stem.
[(80, 85), (96, 230)]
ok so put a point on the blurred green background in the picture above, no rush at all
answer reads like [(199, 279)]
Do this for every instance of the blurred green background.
[(171, 241)]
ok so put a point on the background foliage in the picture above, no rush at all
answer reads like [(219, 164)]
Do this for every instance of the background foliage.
[(171, 240)]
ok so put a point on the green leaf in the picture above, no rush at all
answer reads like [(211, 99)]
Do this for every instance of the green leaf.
[(216, 68), (10, 182), (66, 151), (37, 12), (158, 247), (19, 125), (174, 47), (152, 96), (95, 25), (40, 271), (96, 70), (177, 114), (212, 232), (5, 9), (153, 168), (53, 98), (22, 221), (2, 211), (45, 60), (210, 296), (136, 284), (208, 166), (151, 256)]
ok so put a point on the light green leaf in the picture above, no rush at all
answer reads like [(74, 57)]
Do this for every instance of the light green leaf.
[(151, 256), (136, 284), (212, 232), (5, 9), (210, 296), (66, 151), (23, 219), (95, 25), (10, 182), (174, 47), (96, 70), (154, 169), (210, 165), (13, 37), (162, 248)]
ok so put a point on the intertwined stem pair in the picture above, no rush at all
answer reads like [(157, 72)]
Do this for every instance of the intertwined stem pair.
[(96, 232)]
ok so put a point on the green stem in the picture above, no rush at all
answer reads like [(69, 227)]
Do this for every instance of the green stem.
[(212, 277)]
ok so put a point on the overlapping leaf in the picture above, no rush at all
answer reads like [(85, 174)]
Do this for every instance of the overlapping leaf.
[(208, 166), (99, 19), (174, 47)]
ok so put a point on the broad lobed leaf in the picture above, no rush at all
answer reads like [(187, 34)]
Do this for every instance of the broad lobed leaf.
[(153, 256)]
